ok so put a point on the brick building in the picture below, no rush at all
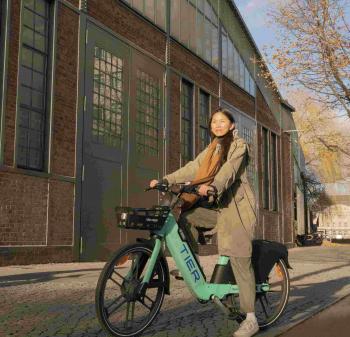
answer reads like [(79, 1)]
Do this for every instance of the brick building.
[(98, 97)]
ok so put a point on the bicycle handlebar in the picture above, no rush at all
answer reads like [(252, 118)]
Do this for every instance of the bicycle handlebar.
[(180, 188)]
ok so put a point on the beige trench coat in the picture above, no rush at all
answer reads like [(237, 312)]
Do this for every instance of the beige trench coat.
[(236, 215)]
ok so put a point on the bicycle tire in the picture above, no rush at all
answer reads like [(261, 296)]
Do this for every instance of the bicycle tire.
[(280, 268), (127, 291)]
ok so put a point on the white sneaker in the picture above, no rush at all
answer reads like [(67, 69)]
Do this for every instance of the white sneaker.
[(248, 328)]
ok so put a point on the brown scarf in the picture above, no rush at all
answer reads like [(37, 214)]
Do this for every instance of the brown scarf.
[(205, 174)]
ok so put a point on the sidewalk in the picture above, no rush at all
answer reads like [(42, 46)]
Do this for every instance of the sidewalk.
[(58, 299)]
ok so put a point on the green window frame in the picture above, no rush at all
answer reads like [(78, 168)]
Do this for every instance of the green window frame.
[(186, 122), (31, 143)]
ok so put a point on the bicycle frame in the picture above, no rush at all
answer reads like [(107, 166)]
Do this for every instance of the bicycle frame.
[(187, 264)]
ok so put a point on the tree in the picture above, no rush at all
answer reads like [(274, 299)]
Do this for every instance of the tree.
[(313, 49), (323, 138)]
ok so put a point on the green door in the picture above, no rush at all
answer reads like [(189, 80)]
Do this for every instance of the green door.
[(105, 143), (123, 143)]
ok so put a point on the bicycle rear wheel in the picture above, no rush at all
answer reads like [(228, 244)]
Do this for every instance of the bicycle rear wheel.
[(122, 310), (269, 305)]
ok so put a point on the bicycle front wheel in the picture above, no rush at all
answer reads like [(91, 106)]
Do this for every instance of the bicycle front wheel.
[(270, 304), (122, 310)]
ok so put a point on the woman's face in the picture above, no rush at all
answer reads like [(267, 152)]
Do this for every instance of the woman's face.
[(220, 124)]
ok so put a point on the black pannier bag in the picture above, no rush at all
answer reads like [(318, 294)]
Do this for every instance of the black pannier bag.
[(265, 254)]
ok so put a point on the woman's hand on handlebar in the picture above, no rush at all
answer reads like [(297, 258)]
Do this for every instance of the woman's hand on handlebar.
[(153, 183), (204, 189)]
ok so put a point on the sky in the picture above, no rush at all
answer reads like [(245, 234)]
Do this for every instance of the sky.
[(254, 13)]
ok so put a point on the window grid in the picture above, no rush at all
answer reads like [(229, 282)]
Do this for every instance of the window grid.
[(204, 135), (233, 65), (266, 168), (195, 24), (154, 10), (148, 114), (107, 99), (274, 204), (248, 136), (186, 122), (33, 84)]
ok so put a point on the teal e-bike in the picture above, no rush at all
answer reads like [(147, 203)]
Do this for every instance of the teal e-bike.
[(133, 283)]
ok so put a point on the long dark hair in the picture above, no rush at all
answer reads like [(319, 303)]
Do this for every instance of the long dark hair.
[(225, 140)]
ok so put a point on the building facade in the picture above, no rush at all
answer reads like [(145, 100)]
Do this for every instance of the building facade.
[(333, 220), (99, 97)]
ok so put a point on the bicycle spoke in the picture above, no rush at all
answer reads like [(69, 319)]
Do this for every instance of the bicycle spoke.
[(115, 301), (114, 281), (264, 308), (117, 307), (145, 305), (122, 277), (149, 299)]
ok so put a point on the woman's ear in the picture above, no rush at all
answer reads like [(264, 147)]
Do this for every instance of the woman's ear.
[(232, 126)]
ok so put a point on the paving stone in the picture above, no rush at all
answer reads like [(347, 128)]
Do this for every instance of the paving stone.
[(56, 300)]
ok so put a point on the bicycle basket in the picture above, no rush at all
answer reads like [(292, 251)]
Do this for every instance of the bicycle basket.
[(142, 218)]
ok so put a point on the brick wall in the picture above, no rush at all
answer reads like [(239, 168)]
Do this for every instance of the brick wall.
[(264, 114), (194, 68), (23, 209), (36, 210), (64, 115), (29, 203), (121, 20), (238, 98)]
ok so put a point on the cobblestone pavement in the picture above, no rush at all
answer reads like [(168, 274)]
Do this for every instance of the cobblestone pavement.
[(58, 299)]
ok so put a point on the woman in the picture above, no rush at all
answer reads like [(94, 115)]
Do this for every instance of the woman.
[(222, 165)]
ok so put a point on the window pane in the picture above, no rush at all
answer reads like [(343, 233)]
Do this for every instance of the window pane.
[(224, 54), (265, 160), (200, 32), (208, 47), (28, 18), (107, 99), (27, 36), (138, 4), (215, 46), (185, 23), (33, 78), (186, 122), (147, 114), (235, 65), (175, 18), (29, 4), (251, 86), (193, 28), (246, 79), (204, 136), (160, 13), (274, 171), (150, 9), (241, 73), (230, 59)]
